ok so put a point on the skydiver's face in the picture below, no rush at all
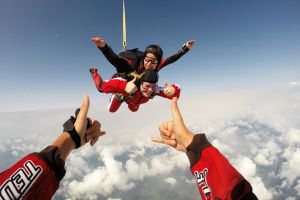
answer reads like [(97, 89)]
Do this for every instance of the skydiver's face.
[(147, 89), (150, 61)]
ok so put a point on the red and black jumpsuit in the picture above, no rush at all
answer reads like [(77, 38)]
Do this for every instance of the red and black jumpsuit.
[(118, 85), (216, 178), (123, 65), (36, 176)]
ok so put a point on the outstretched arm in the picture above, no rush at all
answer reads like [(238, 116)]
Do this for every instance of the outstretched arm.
[(186, 47), (215, 176), (120, 63), (119, 85), (38, 174), (169, 91)]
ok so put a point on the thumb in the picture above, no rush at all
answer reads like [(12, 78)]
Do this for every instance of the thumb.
[(166, 84), (175, 111), (84, 107), (134, 79)]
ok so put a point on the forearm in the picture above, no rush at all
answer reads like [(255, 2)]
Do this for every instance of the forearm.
[(113, 58), (65, 145), (174, 57), (195, 148)]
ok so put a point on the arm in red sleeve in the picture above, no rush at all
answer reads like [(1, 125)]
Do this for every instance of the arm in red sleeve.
[(115, 85), (160, 92), (216, 177), (40, 172)]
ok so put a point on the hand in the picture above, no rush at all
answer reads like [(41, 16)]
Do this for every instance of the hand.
[(131, 87), (174, 133), (169, 90), (190, 44), (98, 41), (94, 131)]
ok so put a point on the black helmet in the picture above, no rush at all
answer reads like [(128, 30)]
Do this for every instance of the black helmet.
[(156, 50), (149, 76)]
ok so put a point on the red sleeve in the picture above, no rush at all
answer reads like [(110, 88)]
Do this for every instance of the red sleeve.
[(115, 85), (216, 177), (160, 92), (29, 178)]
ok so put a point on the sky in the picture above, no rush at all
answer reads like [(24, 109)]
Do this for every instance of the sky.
[(240, 80)]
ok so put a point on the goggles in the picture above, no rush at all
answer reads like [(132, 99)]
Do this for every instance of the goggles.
[(152, 60)]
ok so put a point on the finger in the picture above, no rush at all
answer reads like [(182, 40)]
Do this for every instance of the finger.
[(166, 84), (175, 110), (157, 140), (81, 122), (84, 108), (134, 79), (165, 129), (95, 126), (168, 90), (171, 143), (160, 140), (94, 140), (95, 134)]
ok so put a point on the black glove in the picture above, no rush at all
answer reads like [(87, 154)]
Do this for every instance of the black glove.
[(70, 128)]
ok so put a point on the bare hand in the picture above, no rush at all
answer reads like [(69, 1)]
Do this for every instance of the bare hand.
[(174, 133), (190, 44), (131, 87), (94, 131), (98, 41), (169, 90)]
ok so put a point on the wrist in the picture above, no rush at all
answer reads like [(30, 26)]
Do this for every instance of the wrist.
[(75, 137), (185, 48), (65, 144), (189, 139), (67, 140)]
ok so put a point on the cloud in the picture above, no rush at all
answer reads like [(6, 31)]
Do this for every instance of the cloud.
[(120, 175), (257, 132), (297, 187), (172, 181), (290, 168), (294, 83)]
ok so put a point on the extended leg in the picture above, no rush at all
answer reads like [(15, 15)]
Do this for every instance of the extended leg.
[(114, 103), (97, 79)]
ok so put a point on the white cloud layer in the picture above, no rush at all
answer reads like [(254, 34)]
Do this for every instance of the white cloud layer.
[(172, 181), (257, 132)]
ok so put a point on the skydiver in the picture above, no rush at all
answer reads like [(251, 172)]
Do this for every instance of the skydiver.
[(134, 60), (135, 92)]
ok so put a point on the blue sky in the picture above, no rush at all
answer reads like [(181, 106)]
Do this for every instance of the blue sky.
[(46, 50), (242, 75)]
